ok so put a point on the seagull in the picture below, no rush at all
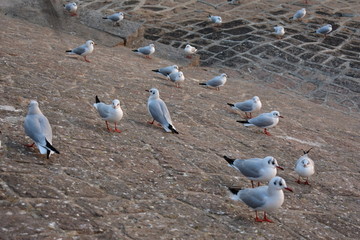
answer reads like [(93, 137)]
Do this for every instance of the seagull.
[(83, 50), (147, 50), (264, 120), (71, 8), (189, 50), (304, 166), (216, 82), (324, 30), (299, 14), (279, 31), (264, 198), (248, 106), (159, 112), (115, 18), (167, 70), (215, 19), (176, 77), (38, 128), (255, 169), (109, 112)]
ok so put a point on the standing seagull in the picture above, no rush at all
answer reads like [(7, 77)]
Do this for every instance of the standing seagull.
[(216, 82), (38, 128), (299, 14), (255, 169), (176, 77), (279, 31), (190, 50), (304, 166), (215, 19), (248, 106), (324, 30), (146, 51), (264, 120), (115, 18), (159, 112), (264, 198), (109, 112), (83, 50), (71, 8), (167, 70)]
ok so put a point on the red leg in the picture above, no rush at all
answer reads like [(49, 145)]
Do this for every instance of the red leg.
[(107, 126), (152, 122), (257, 219), (258, 184), (298, 181), (86, 59), (117, 130), (307, 181), (252, 184), (73, 14), (189, 56), (266, 132), (29, 145), (266, 219), (250, 115)]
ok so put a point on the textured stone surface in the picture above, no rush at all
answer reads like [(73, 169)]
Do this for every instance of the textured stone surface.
[(146, 184)]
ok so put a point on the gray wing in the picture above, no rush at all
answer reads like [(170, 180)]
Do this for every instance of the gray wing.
[(37, 127), (216, 81), (324, 29), (246, 106), (263, 120), (114, 17), (159, 112), (79, 50), (145, 50), (249, 168), (299, 14), (254, 197), (103, 110), (166, 70)]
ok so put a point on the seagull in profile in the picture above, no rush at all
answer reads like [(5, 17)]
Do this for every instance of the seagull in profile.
[(299, 15), (167, 70), (215, 19), (115, 18), (256, 169), (326, 29), (190, 50), (109, 112), (216, 82), (83, 50), (146, 51), (247, 106), (71, 8), (304, 166), (264, 198), (38, 128), (264, 120), (159, 111)]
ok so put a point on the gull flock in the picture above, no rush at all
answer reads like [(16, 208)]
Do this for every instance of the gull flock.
[(261, 198)]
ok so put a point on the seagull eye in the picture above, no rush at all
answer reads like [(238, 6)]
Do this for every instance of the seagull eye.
[(273, 162), (275, 183), (269, 161), (280, 184)]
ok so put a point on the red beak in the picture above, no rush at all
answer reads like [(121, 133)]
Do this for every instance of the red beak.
[(147, 90), (279, 167), (281, 117), (289, 189)]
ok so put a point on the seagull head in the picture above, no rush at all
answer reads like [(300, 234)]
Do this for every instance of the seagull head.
[(90, 43), (276, 114), (271, 161), (256, 99), (306, 163), (116, 104), (224, 75), (154, 93), (278, 183)]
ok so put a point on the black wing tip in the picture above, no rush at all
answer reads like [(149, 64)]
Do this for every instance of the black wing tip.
[(68, 51), (229, 160), (155, 70), (234, 190), (306, 152), (135, 50), (202, 83), (49, 146), (230, 104), (97, 100), (173, 130), (242, 121), (104, 17)]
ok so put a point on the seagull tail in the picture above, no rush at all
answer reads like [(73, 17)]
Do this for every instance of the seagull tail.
[(173, 130), (68, 51), (50, 147), (230, 104), (229, 160), (242, 121), (306, 152), (291, 18), (135, 50), (234, 192), (97, 100), (155, 70), (202, 83), (105, 18)]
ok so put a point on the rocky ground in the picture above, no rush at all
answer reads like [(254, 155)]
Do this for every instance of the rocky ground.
[(147, 184)]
